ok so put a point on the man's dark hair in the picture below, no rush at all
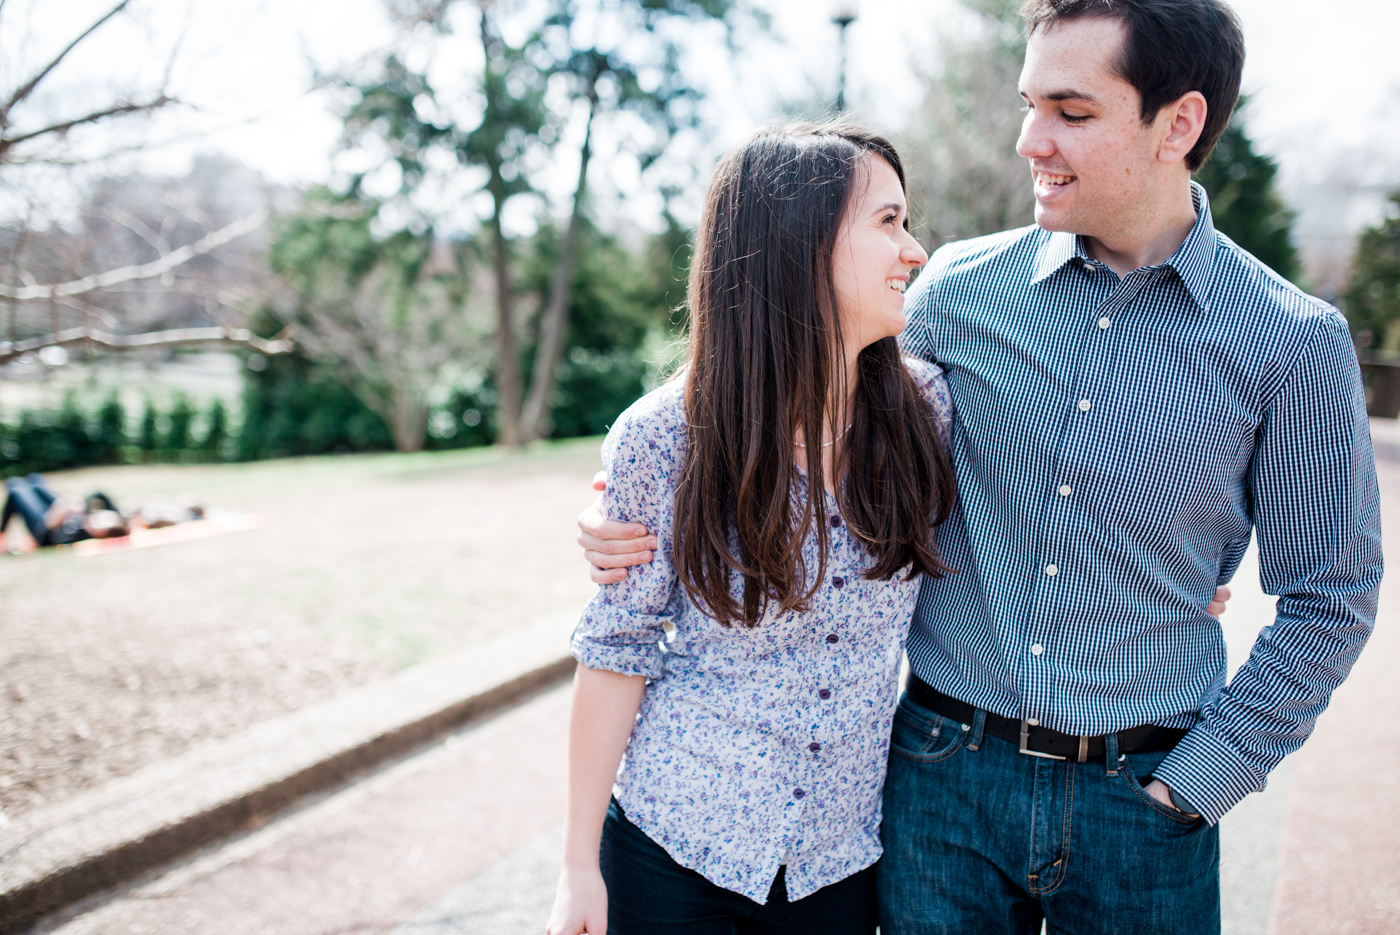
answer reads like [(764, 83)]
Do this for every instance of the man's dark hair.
[(1170, 47)]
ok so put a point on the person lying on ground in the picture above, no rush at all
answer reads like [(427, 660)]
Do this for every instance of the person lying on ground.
[(55, 520)]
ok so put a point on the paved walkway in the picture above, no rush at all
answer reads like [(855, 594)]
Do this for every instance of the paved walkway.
[(463, 837)]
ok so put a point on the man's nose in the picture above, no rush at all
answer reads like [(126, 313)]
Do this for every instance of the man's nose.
[(1032, 143)]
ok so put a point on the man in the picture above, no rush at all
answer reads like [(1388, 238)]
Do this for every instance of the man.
[(1135, 395)]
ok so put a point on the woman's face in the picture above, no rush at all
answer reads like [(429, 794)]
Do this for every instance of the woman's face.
[(873, 257)]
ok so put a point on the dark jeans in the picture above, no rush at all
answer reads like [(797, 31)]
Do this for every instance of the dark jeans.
[(650, 894), (992, 841), (30, 498)]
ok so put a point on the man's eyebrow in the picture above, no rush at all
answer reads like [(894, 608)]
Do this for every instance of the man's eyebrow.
[(1070, 94)]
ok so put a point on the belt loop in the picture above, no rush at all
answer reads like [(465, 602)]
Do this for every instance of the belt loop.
[(1110, 748), (1083, 748), (979, 721)]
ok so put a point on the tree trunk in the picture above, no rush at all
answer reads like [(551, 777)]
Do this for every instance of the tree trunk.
[(554, 323), (508, 382), (410, 422)]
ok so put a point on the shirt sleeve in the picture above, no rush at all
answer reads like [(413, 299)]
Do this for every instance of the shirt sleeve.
[(917, 338), (933, 387), (621, 627), (1316, 508)]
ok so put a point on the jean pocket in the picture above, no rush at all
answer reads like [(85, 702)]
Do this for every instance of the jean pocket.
[(1138, 788), (925, 738)]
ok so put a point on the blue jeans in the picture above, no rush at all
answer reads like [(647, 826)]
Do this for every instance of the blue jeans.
[(650, 894), (981, 838)]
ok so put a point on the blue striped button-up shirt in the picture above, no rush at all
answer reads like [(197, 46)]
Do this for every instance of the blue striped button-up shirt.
[(1117, 441)]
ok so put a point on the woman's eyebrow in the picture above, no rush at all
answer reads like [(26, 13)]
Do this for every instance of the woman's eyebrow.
[(888, 206)]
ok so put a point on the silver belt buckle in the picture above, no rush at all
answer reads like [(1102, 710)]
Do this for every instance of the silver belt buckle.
[(1025, 738)]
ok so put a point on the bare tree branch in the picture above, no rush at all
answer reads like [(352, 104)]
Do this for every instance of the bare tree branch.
[(28, 88), (178, 337), (151, 270), (59, 128)]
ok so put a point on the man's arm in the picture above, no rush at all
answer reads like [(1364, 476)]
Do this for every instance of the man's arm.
[(1316, 509)]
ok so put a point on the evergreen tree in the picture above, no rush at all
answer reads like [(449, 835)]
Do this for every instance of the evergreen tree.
[(181, 420), (1243, 201), (1372, 299), (149, 437), (217, 432), (111, 430)]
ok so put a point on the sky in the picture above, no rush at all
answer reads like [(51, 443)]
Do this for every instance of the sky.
[(1323, 80)]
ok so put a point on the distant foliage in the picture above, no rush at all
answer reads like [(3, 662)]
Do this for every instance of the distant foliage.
[(964, 173), (621, 302), (78, 435), (1244, 203), (1372, 299)]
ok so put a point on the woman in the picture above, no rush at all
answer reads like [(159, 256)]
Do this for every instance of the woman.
[(794, 473)]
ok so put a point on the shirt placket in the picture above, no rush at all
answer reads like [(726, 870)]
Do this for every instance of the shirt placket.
[(811, 747), (1089, 402)]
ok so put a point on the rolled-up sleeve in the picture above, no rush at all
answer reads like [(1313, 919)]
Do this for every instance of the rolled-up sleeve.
[(1317, 519), (622, 627)]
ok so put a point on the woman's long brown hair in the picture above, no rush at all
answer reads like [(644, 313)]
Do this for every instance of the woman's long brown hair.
[(765, 361)]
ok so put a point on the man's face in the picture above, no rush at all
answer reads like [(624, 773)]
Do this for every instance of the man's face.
[(1093, 161)]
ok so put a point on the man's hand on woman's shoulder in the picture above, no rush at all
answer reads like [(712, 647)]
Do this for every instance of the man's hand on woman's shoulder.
[(611, 548)]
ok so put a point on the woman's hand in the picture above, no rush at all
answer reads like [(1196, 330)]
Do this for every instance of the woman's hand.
[(580, 904)]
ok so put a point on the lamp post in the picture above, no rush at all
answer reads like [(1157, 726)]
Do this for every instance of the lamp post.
[(845, 15)]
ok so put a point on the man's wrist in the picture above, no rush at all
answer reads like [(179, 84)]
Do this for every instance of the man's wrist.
[(1180, 804)]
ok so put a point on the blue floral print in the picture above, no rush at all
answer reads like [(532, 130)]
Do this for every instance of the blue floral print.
[(760, 746)]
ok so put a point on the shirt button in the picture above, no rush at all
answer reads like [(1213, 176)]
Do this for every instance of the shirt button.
[(798, 793), (1066, 490), (1104, 324), (1085, 405), (814, 747), (833, 638), (823, 693), (1033, 721), (1052, 570), (1037, 649), (838, 581)]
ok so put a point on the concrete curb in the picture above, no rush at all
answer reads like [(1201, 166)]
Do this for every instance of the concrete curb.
[(55, 857)]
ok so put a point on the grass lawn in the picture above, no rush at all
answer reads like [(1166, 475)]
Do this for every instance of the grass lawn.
[(370, 563)]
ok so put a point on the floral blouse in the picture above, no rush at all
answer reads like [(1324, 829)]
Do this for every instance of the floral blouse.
[(754, 747)]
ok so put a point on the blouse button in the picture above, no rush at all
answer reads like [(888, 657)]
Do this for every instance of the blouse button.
[(798, 793), (836, 522), (814, 747), (833, 638), (823, 693), (838, 581)]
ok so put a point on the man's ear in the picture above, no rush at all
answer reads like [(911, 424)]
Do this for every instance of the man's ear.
[(1181, 123)]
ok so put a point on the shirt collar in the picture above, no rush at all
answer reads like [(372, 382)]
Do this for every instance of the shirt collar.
[(1192, 260)]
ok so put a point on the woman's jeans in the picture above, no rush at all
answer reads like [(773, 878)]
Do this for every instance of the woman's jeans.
[(29, 498), (982, 838), (650, 894)]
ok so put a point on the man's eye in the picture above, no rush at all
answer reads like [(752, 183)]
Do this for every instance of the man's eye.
[(1075, 118)]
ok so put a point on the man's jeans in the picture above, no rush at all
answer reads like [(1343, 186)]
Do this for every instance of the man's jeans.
[(982, 838)]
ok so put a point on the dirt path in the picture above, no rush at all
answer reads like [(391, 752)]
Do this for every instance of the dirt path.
[(371, 563)]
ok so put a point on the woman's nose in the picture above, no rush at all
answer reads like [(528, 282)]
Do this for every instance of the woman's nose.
[(913, 252)]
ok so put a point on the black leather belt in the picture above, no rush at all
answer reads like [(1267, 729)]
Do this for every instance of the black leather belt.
[(1042, 741)]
